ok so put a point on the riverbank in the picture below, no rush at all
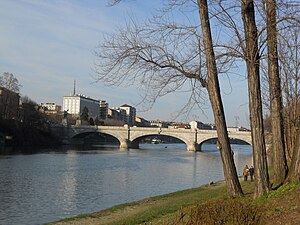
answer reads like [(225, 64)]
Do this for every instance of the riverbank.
[(279, 207), (21, 135)]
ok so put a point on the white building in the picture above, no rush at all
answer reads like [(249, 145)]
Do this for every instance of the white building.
[(130, 114), (200, 125), (158, 123), (50, 108), (76, 103)]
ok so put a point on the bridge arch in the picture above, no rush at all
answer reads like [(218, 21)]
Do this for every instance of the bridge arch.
[(137, 137), (94, 135), (242, 137), (116, 132), (121, 133), (136, 141)]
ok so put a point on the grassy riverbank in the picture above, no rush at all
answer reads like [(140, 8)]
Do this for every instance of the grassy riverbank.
[(279, 207)]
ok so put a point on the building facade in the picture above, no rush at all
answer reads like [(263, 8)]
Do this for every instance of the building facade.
[(50, 108), (158, 123), (9, 104), (141, 122), (116, 113), (199, 125), (103, 110), (130, 114), (75, 104), (178, 125)]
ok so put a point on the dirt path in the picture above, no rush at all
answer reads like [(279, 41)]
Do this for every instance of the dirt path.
[(107, 217)]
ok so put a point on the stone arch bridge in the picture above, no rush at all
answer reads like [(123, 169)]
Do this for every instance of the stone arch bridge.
[(129, 137)]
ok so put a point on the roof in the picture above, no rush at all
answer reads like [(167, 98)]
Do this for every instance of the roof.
[(125, 105)]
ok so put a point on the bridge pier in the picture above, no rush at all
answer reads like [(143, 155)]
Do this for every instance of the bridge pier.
[(199, 147), (193, 146), (125, 144), (135, 145)]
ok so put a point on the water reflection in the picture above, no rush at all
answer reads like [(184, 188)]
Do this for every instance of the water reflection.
[(67, 184), (45, 187)]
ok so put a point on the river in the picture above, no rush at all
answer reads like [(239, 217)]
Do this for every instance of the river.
[(64, 182)]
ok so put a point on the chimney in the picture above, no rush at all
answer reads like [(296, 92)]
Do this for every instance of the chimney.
[(74, 90)]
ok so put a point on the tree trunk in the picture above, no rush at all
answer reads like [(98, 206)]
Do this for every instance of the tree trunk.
[(294, 173), (288, 115), (279, 156), (290, 68), (262, 183), (231, 178)]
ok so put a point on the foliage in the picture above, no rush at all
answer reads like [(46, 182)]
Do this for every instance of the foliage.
[(31, 128), (91, 121), (26, 134), (97, 121), (26, 100), (30, 116), (85, 114), (282, 190)]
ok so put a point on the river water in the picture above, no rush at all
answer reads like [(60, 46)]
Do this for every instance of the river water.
[(60, 183)]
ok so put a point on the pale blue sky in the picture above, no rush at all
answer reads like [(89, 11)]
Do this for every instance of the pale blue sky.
[(47, 44)]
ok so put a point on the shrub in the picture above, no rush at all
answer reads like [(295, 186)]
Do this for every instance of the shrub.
[(219, 212)]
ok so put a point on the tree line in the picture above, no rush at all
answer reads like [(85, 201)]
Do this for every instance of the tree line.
[(20, 117), (164, 54)]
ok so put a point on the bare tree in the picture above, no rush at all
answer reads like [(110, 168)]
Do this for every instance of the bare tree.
[(10, 82), (9, 96), (245, 46), (26, 100), (289, 45), (290, 65), (226, 13), (166, 56), (288, 26), (294, 173), (213, 87), (279, 157), (262, 184)]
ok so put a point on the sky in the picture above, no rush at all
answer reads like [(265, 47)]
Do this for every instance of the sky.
[(47, 44)]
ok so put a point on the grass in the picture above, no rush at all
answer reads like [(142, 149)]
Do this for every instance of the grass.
[(153, 208), (281, 204)]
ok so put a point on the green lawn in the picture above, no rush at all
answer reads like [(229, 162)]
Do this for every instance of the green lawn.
[(165, 209)]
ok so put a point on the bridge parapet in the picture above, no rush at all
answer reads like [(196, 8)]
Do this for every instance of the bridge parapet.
[(130, 136)]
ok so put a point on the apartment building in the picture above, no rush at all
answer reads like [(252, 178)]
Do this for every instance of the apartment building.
[(75, 104), (103, 110), (116, 113), (130, 114)]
